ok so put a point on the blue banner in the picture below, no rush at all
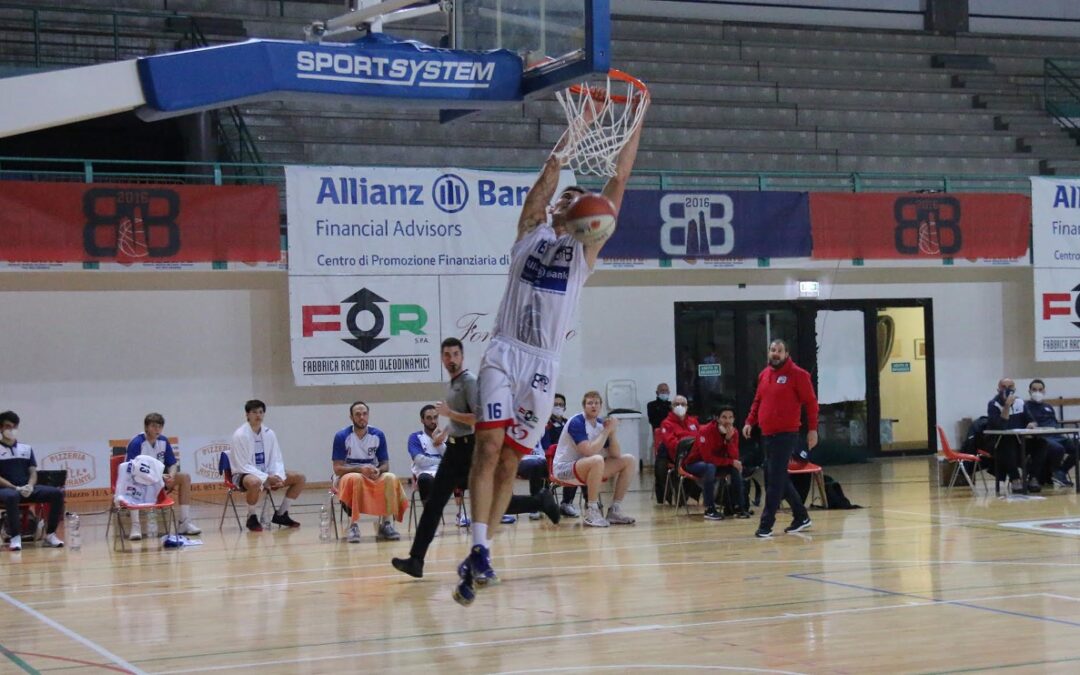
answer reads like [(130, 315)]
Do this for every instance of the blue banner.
[(375, 66), (712, 225)]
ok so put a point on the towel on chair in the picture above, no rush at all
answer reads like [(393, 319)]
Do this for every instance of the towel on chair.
[(382, 497)]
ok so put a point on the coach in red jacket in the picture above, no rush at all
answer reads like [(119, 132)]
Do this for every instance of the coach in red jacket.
[(678, 424), (783, 389)]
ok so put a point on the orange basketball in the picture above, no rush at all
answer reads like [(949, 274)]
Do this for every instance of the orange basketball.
[(591, 218)]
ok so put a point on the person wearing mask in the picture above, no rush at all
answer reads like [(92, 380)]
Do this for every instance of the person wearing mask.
[(783, 391), (659, 408), (18, 484), (1060, 451), (551, 437), (1006, 411), (678, 424)]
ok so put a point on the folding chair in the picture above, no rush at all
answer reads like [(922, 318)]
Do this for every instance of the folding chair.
[(556, 483), (231, 488), (414, 498), (164, 502), (673, 481), (817, 480), (958, 458)]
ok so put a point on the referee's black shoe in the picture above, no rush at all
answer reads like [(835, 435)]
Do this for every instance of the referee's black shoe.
[(798, 525)]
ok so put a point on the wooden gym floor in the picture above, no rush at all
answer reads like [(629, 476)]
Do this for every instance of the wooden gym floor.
[(917, 582)]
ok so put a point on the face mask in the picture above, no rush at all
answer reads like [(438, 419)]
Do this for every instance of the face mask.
[(558, 411), (664, 397), (679, 410), (10, 435), (1037, 396)]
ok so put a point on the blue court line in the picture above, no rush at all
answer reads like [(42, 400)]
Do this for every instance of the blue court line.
[(1006, 612)]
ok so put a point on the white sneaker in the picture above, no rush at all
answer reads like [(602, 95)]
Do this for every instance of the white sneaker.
[(569, 510), (593, 517), (189, 527), (534, 516), (615, 516), (462, 520), (354, 533), (136, 533), (52, 541), (16, 543)]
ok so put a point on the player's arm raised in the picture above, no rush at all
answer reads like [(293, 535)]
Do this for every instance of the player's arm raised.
[(535, 209)]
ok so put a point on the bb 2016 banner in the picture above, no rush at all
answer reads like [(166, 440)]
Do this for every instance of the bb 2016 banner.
[(723, 229), (992, 227), (74, 222)]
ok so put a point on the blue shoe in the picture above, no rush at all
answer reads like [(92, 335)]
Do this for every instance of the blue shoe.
[(508, 519), (479, 561), (464, 594)]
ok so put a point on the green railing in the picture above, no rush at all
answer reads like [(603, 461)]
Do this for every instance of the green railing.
[(46, 37), (233, 173), (1061, 92)]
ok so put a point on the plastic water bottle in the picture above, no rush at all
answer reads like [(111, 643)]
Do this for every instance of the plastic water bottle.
[(324, 524), (151, 527), (71, 531), (264, 520)]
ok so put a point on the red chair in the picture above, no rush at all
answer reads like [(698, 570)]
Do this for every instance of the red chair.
[(558, 483), (164, 501), (817, 479), (958, 458)]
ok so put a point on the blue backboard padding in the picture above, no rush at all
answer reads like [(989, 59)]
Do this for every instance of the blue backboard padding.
[(374, 66)]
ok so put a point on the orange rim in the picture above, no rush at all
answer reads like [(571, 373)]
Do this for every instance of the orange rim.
[(601, 93)]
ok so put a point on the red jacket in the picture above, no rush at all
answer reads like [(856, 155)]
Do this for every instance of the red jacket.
[(673, 429), (781, 394), (713, 447)]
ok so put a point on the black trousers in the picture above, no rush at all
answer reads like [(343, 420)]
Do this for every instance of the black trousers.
[(778, 451), (453, 473), (42, 494)]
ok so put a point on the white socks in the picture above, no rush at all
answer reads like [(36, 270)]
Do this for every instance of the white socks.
[(185, 512), (252, 508), (479, 534), (284, 507)]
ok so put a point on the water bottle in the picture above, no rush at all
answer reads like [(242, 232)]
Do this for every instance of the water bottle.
[(151, 527), (264, 520), (74, 537), (324, 524)]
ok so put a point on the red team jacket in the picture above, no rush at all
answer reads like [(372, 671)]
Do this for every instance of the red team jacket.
[(673, 429), (781, 393), (713, 447)]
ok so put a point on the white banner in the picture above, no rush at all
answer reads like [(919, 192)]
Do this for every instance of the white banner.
[(1055, 236), (364, 330), (378, 221)]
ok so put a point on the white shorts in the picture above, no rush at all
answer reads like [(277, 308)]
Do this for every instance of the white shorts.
[(565, 473), (517, 392)]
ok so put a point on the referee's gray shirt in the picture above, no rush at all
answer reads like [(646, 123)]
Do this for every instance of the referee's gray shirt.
[(463, 396)]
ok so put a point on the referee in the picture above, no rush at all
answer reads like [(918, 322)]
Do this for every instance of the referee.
[(461, 405)]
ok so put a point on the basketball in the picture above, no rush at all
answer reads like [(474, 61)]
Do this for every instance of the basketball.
[(591, 218)]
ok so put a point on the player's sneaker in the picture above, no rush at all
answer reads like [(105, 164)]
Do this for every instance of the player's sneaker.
[(593, 517), (535, 515), (189, 527), (464, 593), (615, 516), (1061, 479), (569, 510), (52, 541), (798, 525), (763, 532), (387, 532), (480, 565), (713, 514), (253, 523), (463, 520), (354, 534), (508, 519), (15, 544), (284, 520)]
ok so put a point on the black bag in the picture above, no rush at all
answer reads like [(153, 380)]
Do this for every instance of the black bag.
[(834, 495)]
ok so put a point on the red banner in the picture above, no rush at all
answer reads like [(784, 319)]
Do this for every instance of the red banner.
[(76, 222), (919, 226)]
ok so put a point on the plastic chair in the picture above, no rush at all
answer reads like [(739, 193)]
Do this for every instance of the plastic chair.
[(164, 501), (231, 488), (817, 479), (958, 458), (556, 483), (673, 481)]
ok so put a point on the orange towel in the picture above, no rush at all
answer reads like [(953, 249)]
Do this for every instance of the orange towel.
[(382, 497)]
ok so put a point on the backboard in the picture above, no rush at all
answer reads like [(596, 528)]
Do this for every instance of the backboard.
[(560, 41)]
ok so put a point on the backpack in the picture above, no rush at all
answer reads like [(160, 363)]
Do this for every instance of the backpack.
[(834, 495)]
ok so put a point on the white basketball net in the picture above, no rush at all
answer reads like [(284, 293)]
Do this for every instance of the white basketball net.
[(599, 123)]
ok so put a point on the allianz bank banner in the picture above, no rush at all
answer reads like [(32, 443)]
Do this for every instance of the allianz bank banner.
[(395, 221), (1055, 243)]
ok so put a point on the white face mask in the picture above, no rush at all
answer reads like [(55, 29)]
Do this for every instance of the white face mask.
[(1037, 396), (558, 411), (664, 397), (679, 410), (10, 435)]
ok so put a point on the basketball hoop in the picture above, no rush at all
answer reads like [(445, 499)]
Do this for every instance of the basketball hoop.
[(600, 118)]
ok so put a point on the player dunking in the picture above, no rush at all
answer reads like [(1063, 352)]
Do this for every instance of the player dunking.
[(517, 374)]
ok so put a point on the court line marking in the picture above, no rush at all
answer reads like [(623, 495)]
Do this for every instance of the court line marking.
[(18, 661), (583, 634), (648, 666), (86, 642)]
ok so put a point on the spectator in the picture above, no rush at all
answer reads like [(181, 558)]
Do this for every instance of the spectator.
[(659, 408), (363, 478), (18, 484), (427, 447), (589, 453), (783, 390), (257, 465), (716, 454), (1061, 451), (1006, 411), (679, 424), (152, 444), (551, 437)]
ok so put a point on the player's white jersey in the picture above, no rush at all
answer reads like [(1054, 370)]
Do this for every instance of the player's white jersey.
[(542, 289)]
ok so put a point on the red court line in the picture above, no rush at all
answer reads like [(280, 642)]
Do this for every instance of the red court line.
[(106, 666)]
